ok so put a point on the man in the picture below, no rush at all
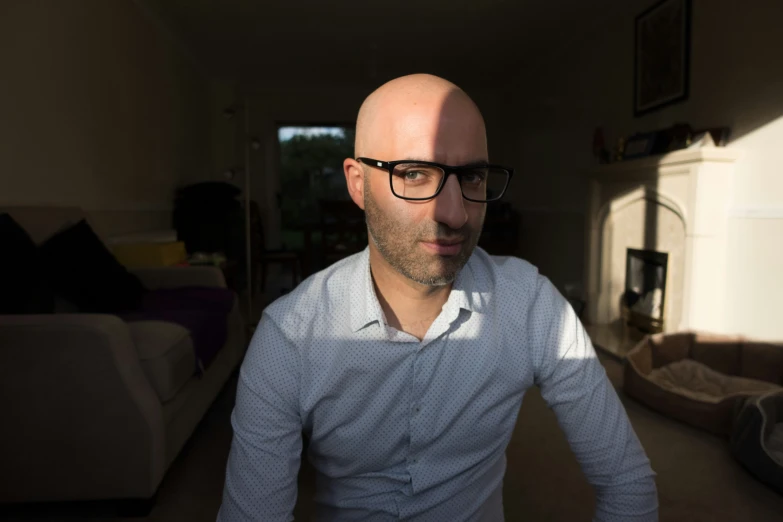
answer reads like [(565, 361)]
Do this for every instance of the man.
[(406, 364)]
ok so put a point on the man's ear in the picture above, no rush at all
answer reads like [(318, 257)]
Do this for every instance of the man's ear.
[(354, 178)]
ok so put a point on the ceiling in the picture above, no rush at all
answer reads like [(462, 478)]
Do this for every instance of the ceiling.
[(288, 42)]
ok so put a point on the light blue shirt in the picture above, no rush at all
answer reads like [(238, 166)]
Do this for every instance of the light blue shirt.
[(417, 430)]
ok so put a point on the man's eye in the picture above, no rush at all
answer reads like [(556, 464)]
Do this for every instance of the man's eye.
[(417, 175), (473, 177)]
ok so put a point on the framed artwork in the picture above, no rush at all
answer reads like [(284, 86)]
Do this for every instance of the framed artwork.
[(662, 55)]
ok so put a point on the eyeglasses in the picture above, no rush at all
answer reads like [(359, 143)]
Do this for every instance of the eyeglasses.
[(422, 180)]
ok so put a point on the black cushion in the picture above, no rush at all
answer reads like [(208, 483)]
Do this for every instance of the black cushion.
[(23, 288), (82, 270)]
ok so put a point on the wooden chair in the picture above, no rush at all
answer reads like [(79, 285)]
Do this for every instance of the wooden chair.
[(262, 257)]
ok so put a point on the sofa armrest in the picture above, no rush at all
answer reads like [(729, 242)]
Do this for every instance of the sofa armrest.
[(176, 276), (81, 419)]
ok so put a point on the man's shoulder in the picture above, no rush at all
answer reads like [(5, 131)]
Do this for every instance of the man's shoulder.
[(504, 273), (508, 285), (322, 294)]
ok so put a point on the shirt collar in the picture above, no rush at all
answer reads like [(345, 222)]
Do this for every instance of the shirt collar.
[(365, 308)]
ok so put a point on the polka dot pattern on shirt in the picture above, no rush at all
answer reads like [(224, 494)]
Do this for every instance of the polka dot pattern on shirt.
[(402, 428)]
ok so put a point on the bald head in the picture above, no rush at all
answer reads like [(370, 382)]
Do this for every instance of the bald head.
[(420, 116)]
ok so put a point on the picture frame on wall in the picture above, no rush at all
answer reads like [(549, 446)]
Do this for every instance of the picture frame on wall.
[(662, 44)]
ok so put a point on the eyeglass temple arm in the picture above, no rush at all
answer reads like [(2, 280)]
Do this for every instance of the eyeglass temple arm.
[(373, 163)]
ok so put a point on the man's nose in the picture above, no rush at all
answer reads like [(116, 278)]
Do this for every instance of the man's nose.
[(450, 206)]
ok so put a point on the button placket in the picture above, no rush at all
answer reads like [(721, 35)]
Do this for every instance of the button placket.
[(415, 409)]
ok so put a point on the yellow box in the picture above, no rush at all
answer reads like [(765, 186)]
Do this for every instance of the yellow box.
[(141, 255)]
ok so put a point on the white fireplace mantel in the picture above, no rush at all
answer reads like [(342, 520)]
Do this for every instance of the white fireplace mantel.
[(676, 203)]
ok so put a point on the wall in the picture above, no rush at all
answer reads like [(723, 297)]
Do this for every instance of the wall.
[(736, 80), (100, 109)]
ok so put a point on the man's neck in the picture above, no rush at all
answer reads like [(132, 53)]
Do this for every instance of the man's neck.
[(409, 306)]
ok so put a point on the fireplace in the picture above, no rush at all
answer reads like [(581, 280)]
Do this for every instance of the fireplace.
[(645, 289), (657, 243)]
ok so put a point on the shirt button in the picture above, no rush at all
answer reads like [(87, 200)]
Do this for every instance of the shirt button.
[(417, 409)]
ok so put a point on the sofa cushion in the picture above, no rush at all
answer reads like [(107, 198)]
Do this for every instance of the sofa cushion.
[(202, 310), (42, 222), (81, 269), (23, 289), (165, 350)]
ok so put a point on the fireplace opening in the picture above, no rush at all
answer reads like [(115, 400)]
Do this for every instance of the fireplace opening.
[(645, 289)]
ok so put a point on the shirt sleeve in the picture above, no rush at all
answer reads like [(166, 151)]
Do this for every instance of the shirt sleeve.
[(263, 464), (574, 384)]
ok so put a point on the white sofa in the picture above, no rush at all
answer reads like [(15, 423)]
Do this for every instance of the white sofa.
[(94, 407)]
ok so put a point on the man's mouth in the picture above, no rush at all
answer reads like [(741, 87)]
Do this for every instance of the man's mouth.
[(444, 247)]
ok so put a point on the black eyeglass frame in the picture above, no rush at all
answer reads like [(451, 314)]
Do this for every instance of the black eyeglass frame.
[(447, 169)]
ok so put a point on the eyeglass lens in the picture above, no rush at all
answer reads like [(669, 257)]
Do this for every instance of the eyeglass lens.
[(411, 180)]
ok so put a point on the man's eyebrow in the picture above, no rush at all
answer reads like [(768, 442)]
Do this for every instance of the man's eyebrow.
[(414, 160), (474, 163)]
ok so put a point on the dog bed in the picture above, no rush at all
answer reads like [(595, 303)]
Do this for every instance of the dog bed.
[(702, 379)]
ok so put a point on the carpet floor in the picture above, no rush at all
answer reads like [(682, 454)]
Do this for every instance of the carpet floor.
[(697, 478)]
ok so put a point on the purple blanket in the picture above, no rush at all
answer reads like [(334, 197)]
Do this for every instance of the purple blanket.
[(202, 310)]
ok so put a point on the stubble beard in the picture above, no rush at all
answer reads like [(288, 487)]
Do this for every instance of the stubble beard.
[(400, 247)]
